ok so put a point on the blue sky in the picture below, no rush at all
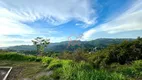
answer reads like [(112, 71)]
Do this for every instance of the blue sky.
[(23, 20)]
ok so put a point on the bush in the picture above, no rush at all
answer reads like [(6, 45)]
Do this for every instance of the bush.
[(18, 57), (56, 74), (77, 55), (46, 60), (54, 64), (128, 71), (138, 65), (84, 71), (123, 53), (133, 70)]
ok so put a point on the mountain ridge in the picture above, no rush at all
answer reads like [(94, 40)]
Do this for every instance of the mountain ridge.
[(72, 45)]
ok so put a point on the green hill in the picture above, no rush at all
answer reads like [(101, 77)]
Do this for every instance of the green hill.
[(72, 45)]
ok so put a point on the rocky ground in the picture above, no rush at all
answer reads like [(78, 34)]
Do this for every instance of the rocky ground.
[(3, 72)]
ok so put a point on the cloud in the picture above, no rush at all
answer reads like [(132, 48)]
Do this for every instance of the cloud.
[(10, 41), (15, 13), (53, 11), (6, 41), (130, 20), (89, 33), (8, 24)]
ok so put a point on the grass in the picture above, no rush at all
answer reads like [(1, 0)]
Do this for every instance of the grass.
[(133, 70), (27, 66), (57, 63), (18, 57), (46, 60), (43, 78), (69, 70), (83, 71)]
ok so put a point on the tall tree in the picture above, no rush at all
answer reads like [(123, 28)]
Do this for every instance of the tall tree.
[(40, 44)]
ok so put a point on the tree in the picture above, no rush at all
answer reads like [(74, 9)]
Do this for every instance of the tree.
[(40, 44)]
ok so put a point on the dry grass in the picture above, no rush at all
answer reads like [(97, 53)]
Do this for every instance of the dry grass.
[(22, 69)]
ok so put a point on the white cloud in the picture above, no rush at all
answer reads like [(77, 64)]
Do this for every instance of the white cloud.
[(9, 41), (54, 11), (88, 34), (129, 21), (8, 24), (13, 14), (6, 41)]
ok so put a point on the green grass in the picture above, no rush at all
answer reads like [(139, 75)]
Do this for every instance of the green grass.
[(83, 71), (18, 57), (46, 60), (28, 66), (57, 63), (133, 70)]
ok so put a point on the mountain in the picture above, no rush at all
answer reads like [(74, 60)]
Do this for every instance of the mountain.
[(72, 45)]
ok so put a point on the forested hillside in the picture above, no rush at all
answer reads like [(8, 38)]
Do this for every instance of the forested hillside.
[(72, 45)]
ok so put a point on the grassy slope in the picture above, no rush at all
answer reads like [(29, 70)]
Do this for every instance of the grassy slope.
[(30, 66), (24, 68)]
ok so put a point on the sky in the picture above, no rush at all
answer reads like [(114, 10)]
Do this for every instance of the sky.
[(58, 20)]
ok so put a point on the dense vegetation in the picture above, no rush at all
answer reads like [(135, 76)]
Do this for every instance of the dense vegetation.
[(18, 57), (123, 53), (116, 62), (65, 46)]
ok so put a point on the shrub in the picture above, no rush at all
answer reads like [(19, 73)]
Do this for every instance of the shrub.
[(18, 57), (83, 71), (128, 71), (123, 53), (56, 74), (46, 60), (138, 65), (133, 70), (55, 63)]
